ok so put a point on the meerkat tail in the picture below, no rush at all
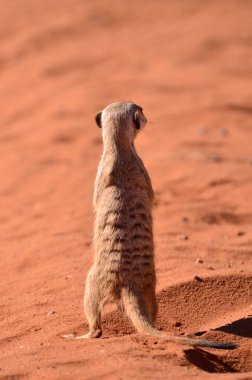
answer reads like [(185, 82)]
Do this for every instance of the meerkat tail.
[(200, 343), (177, 339), (135, 309)]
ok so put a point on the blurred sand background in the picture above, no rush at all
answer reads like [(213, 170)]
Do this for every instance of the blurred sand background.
[(189, 64)]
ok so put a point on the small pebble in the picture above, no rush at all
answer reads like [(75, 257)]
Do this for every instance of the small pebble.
[(240, 233), (215, 158), (199, 261), (50, 313), (212, 183), (197, 278), (182, 237), (178, 324), (211, 268), (185, 219)]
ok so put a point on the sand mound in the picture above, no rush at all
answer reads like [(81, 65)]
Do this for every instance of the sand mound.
[(195, 306), (199, 308)]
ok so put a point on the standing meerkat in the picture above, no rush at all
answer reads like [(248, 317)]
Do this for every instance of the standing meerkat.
[(123, 269)]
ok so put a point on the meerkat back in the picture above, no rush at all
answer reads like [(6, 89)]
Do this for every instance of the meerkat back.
[(123, 267)]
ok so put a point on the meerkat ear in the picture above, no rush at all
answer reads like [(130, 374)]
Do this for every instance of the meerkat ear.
[(98, 119), (139, 119)]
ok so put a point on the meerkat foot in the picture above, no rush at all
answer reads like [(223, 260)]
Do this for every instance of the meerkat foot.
[(91, 334), (69, 336)]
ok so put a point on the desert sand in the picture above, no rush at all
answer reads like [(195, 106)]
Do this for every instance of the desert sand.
[(189, 65)]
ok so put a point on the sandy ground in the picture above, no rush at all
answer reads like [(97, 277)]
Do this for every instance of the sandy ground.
[(189, 64)]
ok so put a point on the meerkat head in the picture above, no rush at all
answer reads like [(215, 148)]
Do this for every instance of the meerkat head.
[(121, 122)]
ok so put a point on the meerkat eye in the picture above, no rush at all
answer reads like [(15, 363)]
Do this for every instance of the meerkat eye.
[(137, 120), (98, 119)]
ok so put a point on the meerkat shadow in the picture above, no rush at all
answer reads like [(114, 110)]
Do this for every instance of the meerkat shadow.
[(240, 327), (209, 362)]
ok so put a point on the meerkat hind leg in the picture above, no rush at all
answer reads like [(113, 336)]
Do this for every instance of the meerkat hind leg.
[(92, 306)]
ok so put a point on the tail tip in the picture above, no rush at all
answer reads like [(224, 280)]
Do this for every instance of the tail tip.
[(221, 346), (229, 346)]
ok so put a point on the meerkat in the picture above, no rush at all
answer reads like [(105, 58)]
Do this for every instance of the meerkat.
[(123, 270)]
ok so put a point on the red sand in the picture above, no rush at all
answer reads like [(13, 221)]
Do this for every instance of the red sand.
[(189, 64)]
